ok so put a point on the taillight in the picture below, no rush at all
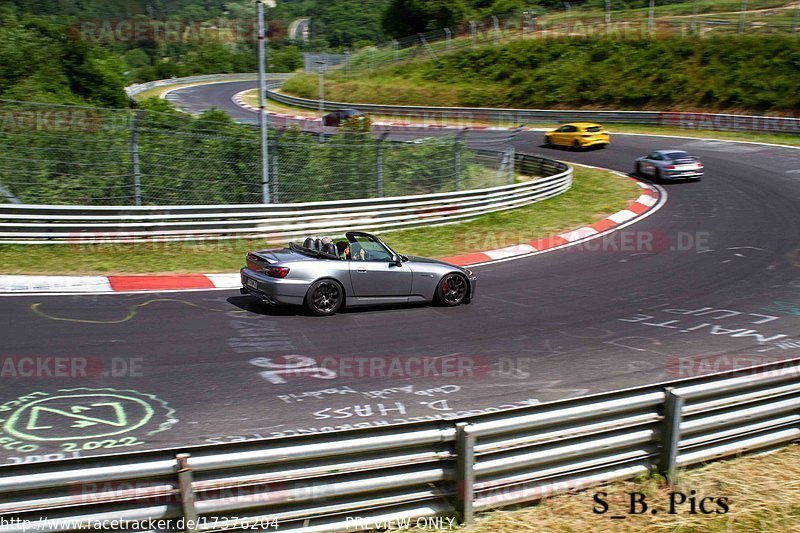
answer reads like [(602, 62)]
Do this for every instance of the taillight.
[(276, 272), (670, 167), (699, 165)]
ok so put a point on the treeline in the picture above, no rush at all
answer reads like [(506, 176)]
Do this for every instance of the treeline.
[(720, 73)]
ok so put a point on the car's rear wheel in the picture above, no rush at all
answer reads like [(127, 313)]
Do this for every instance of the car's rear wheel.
[(576, 146), (657, 175), (638, 170), (548, 141), (324, 297), (452, 290)]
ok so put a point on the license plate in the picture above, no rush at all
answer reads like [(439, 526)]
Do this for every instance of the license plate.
[(252, 283), (687, 167)]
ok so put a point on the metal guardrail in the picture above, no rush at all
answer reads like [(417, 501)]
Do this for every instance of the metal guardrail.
[(466, 116), (137, 88), (54, 224), (321, 482)]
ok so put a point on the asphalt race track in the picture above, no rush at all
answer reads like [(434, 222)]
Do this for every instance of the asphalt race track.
[(714, 275)]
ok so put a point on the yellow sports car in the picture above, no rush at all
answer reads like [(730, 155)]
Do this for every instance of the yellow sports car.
[(578, 135)]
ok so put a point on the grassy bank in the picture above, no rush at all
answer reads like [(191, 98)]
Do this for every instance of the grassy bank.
[(734, 73), (593, 195), (762, 492)]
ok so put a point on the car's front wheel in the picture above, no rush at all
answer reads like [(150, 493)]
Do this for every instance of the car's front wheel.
[(452, 290), (577, 146), (324, 297)]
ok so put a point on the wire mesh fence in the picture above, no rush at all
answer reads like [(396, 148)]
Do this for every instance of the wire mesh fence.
[(89, 156), (538, 23)]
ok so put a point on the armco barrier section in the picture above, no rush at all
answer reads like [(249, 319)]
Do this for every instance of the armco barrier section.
[(53, 224), (341, 480), (512, 117), (137, 88), (466, 116)]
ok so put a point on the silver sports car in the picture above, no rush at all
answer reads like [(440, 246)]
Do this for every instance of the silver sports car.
[(361, 270), (670, 165)]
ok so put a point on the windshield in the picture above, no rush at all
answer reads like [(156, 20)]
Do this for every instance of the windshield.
[(365, 250), (677, 155)]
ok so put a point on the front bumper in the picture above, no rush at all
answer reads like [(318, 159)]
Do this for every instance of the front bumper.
[(273, 291)]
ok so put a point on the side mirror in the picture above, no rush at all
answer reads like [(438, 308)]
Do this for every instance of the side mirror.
[(397, 261)]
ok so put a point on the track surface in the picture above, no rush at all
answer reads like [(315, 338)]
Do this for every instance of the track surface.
[(715, 274)]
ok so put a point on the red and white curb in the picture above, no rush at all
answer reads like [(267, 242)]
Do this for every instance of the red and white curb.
[(101, 284), (650, 200)]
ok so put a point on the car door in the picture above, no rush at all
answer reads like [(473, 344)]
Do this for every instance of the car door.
[(649, 164), (568, 136), (375, 275)]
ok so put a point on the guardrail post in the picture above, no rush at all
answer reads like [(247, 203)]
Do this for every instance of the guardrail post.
[(465, 472), (137, 174), (185, 479), (379, 165), (670, 434)]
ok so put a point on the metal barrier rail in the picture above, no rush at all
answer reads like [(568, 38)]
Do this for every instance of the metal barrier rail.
[(54, 224), (320, 482), (137, 88), (466, 116), (683, 120)]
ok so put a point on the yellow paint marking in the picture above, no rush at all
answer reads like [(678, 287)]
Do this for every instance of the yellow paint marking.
[(35, 308)]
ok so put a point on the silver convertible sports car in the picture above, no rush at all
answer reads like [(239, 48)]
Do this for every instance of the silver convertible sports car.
[(361, 270), (670, 165)]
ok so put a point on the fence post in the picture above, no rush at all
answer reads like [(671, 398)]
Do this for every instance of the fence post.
[(608, 17), (695, 11), (567, 12), (651, 17), (457, 158), (465, 472), (262, 111), (670, 434), (185, 479), (472, 27), (743, 18), (796, 17), (137, 174), (448, 37), (379, 165), (395, 45), (496, 28), (275, 146)]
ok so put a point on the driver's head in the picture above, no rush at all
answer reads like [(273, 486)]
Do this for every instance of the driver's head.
[(343, 247)]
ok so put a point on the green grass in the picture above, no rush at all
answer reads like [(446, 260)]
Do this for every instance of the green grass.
[(736, 73), (594, 195), (762, 492)]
